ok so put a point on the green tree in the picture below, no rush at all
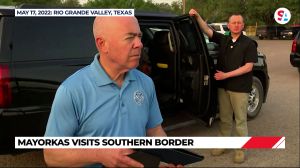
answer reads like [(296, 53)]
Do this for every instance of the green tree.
[(136, 4), (70, 3), (7, 2), (263, 11), (38, 2), (108, 3), (259, 12), (254, 11), (176, 6), (218, 10)]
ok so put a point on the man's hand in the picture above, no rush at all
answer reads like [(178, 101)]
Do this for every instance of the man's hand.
[(220, 75), (202, 24), (240, 71), (118, 158), (193, 12)]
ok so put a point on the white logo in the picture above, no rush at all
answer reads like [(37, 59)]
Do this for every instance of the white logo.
[(138, 97), (282, 15)]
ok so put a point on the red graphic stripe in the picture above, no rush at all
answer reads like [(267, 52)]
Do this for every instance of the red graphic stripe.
[(261, 142)]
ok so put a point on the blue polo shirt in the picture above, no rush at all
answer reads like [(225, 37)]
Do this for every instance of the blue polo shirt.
[(89, 103)]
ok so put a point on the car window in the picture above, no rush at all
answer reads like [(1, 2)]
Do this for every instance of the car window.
[(296, 28), (188, 38), (37, 38), (190, 46), (206, 38), (1, 29), (159, 51), (216, 27), (225, 28)]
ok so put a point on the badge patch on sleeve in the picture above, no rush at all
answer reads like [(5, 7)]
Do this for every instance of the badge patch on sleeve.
[(138, 97)]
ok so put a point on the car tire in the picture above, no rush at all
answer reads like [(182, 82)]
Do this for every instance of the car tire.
[(255, 99)]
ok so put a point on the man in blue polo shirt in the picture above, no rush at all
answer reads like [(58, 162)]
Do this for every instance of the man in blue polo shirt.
[(107, 98)]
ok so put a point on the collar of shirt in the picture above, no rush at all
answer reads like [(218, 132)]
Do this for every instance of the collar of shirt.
[(100, 76), (238, 39)]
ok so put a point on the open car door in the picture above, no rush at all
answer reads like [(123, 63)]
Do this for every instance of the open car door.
[(195, 70)]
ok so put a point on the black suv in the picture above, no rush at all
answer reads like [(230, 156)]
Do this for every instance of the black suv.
[(287, 34), (38, 53), (269, 32)]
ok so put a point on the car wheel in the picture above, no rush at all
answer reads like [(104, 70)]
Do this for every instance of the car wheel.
[(255, 99)]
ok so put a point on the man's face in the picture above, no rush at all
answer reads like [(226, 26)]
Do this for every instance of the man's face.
[(236, 24), (124, 43)]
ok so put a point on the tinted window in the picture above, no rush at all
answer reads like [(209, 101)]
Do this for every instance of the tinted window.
[(189, 46), (37, 38), (216, 28), (280, 28), (225, 28), (1, 29), (188, 39)]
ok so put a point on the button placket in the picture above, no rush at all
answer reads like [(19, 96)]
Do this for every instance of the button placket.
[(121, 101), (121, 104)]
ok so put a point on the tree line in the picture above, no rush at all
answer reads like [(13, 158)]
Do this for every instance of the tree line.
[(255, 12)]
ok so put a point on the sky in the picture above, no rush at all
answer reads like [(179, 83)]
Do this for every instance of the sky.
[(154, 1)]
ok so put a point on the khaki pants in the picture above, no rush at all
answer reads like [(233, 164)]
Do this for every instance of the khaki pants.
[(233, 103)]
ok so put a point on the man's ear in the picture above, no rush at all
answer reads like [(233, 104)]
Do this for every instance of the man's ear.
[(101, 44)]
